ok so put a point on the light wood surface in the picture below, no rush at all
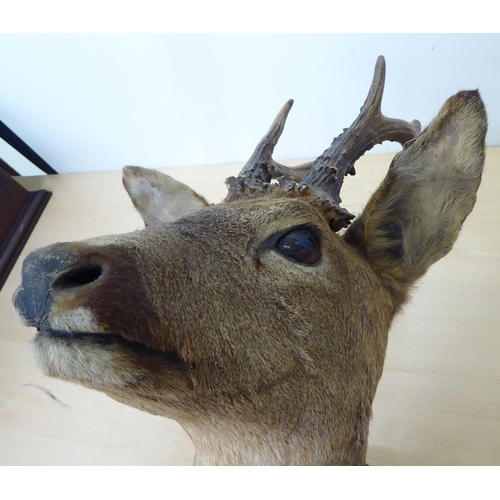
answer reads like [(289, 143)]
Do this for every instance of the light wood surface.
[(438, 401)]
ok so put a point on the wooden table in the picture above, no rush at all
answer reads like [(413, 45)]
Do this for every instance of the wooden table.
[(438, 401)]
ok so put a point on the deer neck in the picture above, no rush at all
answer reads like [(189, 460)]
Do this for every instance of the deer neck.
[(232, 446)]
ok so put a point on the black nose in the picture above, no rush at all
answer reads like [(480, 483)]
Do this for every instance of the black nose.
[(46, 273)]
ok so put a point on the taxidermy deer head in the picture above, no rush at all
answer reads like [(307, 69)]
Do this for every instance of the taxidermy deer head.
[(253, 322)]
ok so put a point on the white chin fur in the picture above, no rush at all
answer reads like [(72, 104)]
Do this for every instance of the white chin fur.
[(80, 319)]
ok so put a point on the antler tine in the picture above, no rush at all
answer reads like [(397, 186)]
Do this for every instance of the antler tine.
[(371, 127), (256, 171), (295, 173)]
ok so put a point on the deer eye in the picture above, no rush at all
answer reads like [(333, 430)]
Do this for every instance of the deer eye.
[(299, 245)]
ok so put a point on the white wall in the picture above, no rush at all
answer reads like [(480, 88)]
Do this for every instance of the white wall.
[(99, 102)]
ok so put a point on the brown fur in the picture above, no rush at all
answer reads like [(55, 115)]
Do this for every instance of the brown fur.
[(260, 359)]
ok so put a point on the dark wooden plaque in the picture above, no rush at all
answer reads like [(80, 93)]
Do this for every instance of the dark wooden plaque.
[(19, 212), (19, 209)]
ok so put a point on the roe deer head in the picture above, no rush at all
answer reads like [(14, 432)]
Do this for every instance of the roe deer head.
[(252, 322)]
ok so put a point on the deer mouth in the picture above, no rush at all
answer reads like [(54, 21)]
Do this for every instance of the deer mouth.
[(108, 339), (100, 359)]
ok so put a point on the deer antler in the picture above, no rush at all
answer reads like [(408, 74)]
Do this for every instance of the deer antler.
[(256, 173), (371, 127), (325, 175), (261, 167)]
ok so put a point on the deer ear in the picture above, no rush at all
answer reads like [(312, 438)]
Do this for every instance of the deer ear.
[(158, 197), (414, 218)]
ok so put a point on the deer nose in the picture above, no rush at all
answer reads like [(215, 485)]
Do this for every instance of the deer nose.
[(45, 274)]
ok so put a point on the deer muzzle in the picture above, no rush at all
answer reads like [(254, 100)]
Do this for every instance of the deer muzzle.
[(49, 276)]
